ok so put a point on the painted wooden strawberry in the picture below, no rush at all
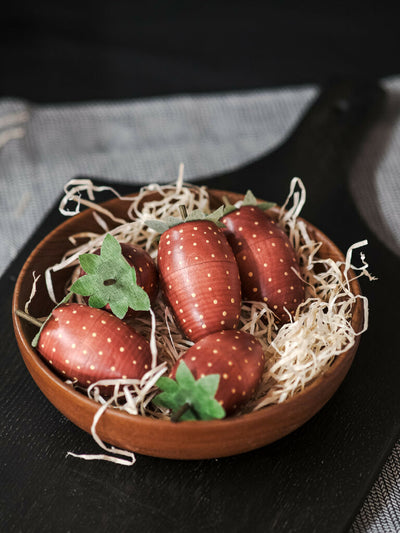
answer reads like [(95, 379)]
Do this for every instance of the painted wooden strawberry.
[(198, 274), (214, 378), (121, 278), (268, 266), (86, 344)]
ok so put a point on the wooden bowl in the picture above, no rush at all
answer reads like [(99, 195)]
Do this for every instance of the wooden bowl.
[(160, 438)]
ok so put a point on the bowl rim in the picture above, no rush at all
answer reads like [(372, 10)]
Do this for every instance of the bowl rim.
[(341, 363)]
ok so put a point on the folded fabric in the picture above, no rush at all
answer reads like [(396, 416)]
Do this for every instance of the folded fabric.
[(134, 142), (43, 146)]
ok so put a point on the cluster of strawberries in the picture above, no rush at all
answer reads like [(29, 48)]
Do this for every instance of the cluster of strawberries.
[(206, 267)]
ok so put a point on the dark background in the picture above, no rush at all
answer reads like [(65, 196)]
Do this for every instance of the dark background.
[(70, 51)]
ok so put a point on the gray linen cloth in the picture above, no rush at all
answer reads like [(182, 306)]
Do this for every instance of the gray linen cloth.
[(43, 146)]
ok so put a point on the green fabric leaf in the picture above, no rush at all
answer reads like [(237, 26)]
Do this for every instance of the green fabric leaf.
[(250, 199), (209, 384), (84, 287), (157, 225), (167, 384), (89, 262), (138, 299), (188, 415), (184, 377), (110, 247), (97, 301), (197, 214), (119, 309), (111, 280), (198, 396), (217, 214), (173, 221), (266, 205), (228, 207), (209, 409)]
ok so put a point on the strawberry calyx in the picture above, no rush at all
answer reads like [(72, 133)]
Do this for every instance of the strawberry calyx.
[(248, 200), (160, 226), (109, 279), (188, 398)]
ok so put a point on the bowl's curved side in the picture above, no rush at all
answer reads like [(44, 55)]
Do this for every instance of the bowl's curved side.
[(186, 440), (189, 440)]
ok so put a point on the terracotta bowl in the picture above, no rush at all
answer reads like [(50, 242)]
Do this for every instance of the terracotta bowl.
[(183, 440)]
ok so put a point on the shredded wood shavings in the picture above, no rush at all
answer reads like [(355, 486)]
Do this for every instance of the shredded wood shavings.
[(33, 291), (296, 353), (114, 453)]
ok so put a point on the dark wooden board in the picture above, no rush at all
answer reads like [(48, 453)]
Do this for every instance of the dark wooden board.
[(313, 480)]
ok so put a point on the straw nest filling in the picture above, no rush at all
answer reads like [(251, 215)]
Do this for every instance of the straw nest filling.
[(295, 353)]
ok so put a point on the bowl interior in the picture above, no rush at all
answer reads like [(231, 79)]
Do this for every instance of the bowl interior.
[(185, 440)]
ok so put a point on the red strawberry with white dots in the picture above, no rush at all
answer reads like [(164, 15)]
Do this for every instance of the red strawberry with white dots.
[(214, 378), (268, 266), (86, 345), (199, 276)]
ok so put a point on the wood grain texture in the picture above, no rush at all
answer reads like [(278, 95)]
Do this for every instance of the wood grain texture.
[(186, 440), (200, 278), (268, 266)]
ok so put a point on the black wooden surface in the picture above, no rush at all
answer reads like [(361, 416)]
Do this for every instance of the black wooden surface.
[(312, 480)]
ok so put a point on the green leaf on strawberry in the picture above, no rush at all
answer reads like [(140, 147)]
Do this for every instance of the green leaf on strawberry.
[(110, 280), (160, 226), (194, 399), (198, 214), (249, 199)]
